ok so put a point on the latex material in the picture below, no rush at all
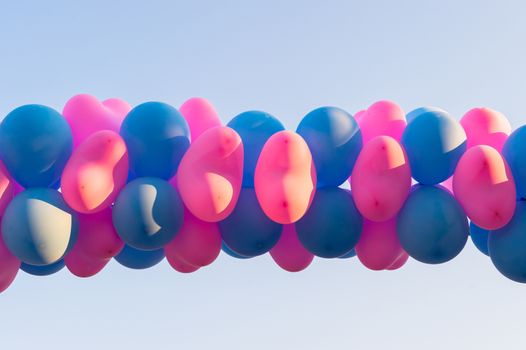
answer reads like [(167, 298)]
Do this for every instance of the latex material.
[(200, 116), (289, 253)]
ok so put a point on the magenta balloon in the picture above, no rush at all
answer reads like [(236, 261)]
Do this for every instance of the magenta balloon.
[(381, 179), (179, 264), (9, 266), (382, 118), (83, 265), (7, 188), (485, 126), (210, 174), (484, 186), (378, 247), (289, 253), (358, 115), (285, 177), (399, 262), (200, 116)]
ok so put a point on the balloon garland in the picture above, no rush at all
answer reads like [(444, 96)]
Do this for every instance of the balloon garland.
[(105, 181)]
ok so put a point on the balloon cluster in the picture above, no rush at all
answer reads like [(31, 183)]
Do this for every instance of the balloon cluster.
[(105, 181)]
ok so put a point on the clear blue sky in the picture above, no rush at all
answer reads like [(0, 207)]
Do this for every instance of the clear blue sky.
[(284, 57)]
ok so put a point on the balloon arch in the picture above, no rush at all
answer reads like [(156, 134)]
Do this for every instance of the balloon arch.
[(103, 180)]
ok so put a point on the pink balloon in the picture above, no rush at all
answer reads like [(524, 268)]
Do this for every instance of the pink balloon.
[(289, 253), (87, 115), (96, 172), (382, 118), (178, 264), (399, 262), (83, 265), (358, 115), (485, 126), (9, 266), (484, 186), (378, 247), (381, 179), (200, 116), (7, 188), (210, 174), (285, 177)]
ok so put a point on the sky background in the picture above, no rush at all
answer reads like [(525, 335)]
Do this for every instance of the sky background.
[(286, 58)]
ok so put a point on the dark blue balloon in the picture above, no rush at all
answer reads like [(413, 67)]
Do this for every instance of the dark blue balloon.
[(247, 231), (514, 151), (434, 143), (157, 136), (35, 144), (254, 128), (139, 259), (44, 270), (332, 226), (421, 110), (335, 140), (350, 254), (479, 237), (432, 227), (232, 253)]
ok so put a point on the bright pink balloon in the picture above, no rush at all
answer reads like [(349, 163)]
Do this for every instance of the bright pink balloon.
[(87, 115), (382, 118), (178, 264), (399, 262), (9, 266), (200, 116), (285, 177), (381, 179), (210, 174), (358, 115), (7, 188), (289, 253), (484, 186), (82, 265), (378, 247), (485, 126), (96, 172)]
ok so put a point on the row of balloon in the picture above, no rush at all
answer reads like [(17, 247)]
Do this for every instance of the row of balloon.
[(105, 181)]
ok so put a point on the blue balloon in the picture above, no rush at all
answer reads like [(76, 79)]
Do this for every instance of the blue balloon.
[(157, 136), (44, 270), (254, 128), (432, 227), (35, 144), (514, 151), (148, 213), (434, 143), (335, 140), (232, 253), (421, 110), (332, 226), (479, 237), (139, 259), (350, 254), (38, 227), (247, 231)]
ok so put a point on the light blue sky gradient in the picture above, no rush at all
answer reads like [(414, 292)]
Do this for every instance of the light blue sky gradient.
[(284, 57)]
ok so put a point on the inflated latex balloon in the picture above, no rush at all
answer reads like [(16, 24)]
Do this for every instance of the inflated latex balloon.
[(148, 213), (432, 226), (484, 186), (381, 179), (378, 247), (97, 237), (232, 253), (479, 237), (434, 142), (254, 128), (332, 225), (35, 144), (83, 265), (44, 270), (350, 254), (421, 110), (358, 116), (289, 253), (514, 151), (285, 180), (200, 116), (9, 265), (210, 174), (95, 173), (485, 126), (399, 262), (248, 231), (178, 263), (139, 259), (157, 136), (7, 188), (334, 140), (382, 118), (39, 227), (86, 115)]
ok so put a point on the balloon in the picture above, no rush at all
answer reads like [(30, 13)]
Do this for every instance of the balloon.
[(148, 213), (332, 225), (381, 179), (399, 262), (434, 142), (7, 188), (86, 115), (479, 237), (514, 151), (484, 186), (139, 259), (448, 184), (44, 270), (157, 136), (382, 118), (421, 110), (35, 144), (358, 115), (378, 247), (485, 126), (83, 265), (232, 253), (9, 266), (432, 227), (285, 178), (38, 226), (95, 173), (248, 231), (210, 174), (254, 128), (335, 140), (200, 116), (350, 254), (289, 253), (179, 264)]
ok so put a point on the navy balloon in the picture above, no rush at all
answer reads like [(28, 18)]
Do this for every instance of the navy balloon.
[(232, 253), (479, 237), (350, 254), (35, 144), (254, 128), (421, 110), (332, 226), (514, 151), (44, 270), (139, 259), (335, 140), (157, 136), (432, 226)]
